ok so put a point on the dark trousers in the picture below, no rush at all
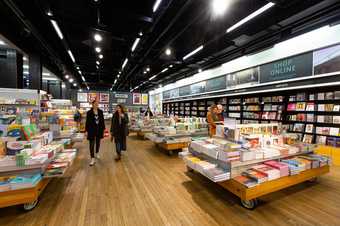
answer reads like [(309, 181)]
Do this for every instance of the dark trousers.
[(95, 141), (120, 145)]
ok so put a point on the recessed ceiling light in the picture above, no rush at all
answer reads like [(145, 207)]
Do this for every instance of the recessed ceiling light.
[(119, 72), (77, 68), (49, 13), (219, 6), (82, 78), (98, 49), (118, 75), (168, 51), (97, 62), (74, 84), (71, 80), (97, 67), (67, 76), (80, 90), (171, 66), (63, 86), (98, 37), (101, 56), (148, 69), (144, 72), (25, 66), (140, 33), (199, 70)]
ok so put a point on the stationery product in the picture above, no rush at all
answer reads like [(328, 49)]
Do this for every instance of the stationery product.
[(321, 118), (336, 119), (310, 118), (255, 175), (334, 131)]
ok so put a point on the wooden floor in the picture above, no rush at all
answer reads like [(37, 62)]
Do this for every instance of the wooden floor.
[(150, 188)]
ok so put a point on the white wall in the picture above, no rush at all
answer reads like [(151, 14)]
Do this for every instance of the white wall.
[(319, 38)]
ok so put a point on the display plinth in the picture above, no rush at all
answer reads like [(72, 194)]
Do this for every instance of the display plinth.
[(23, 196), (251, 194)]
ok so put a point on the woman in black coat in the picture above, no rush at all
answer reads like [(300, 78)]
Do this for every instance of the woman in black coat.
[(94, 128), (119, 130)]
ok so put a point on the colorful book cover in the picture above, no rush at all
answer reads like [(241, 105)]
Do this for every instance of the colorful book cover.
[(309, 128), (337, 95), (329, 107), (301, 117), (310, 106), (320, 118), (292, 98), (311, 97), (300, 96), (307, 138), (246, 181), (336, 119), (300, 106), (291, 107), (334, 131), (328, 119), (336, 108), (310, 118), (321, 96), (321, 107), (321, 139), (299, 127), (329, 96)]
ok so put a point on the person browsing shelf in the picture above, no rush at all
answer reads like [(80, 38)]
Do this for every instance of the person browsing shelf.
[(213, 120), (220, 112), (94, 128), (148, 112), (119, 130)]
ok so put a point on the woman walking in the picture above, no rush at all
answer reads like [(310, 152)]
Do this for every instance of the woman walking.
[(119, 130), (94, 128)]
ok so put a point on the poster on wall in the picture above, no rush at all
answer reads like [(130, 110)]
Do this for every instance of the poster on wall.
[(198, 87), (82, 97), (214, 84), (137, 98), (92, 97), (326, 60), (241, 78), (288, 68), (174, 93), (184, 91), (104, 97), (145, 99)]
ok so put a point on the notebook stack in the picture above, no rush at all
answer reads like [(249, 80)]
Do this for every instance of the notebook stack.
[(295, 167), (255, 175), (282, 167), (246, 181), (25, 181), (217, 174), (270, 172)]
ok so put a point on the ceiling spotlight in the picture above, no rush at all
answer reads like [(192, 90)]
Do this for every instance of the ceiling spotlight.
[(98, 37), (80, 90), (97, 62), (219, 6), (24, 58), (199, 70), (171, 66), (101, 56), (144, 72), (88, 88), (119, 72), (98, 49), (67, 76), (78, 68), (97, 67), (71, 80), (63, 86), (168, 51), (140, 33), (74, 84), (148, 69)]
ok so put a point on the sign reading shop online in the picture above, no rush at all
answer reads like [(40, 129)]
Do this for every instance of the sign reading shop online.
[(322, 61), (294, 67)]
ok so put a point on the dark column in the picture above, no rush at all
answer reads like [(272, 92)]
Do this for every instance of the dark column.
[(54, 88), (11, 72), (35, 70)]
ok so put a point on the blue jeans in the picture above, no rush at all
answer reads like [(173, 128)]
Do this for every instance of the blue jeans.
[(118, 148)]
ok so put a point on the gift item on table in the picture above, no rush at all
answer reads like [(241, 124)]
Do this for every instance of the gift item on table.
[(246, 181), (14, 147), (281, 166), (25, 181), (270, 172), (257, 176)]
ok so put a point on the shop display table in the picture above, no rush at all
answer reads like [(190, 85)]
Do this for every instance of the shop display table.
[(249, 196), (27, 197), (170, 147)]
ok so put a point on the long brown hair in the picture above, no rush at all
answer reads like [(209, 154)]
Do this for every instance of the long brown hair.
[(212, 107), (122, 108)]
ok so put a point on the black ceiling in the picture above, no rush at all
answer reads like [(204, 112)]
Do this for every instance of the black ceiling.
[(182, 25)]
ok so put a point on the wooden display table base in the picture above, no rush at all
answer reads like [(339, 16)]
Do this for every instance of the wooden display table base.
[(172, 147), (141, 135), (28, 197), (249, 196)]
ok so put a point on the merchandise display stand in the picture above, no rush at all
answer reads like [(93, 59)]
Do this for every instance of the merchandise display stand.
[(170, 148), (28, 197), (249, 196)]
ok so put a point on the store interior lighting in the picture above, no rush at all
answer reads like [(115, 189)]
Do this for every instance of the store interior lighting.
[(57, 29), (125, 62), (168, 51), (135, 44), (219, 6), (98, 37), (156, 5), (251, 16), (193, 52), (71, 55), (98, 49)]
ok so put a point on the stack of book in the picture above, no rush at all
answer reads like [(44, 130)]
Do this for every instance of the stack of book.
[(217, 174), (270, 172), (282, 167)]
